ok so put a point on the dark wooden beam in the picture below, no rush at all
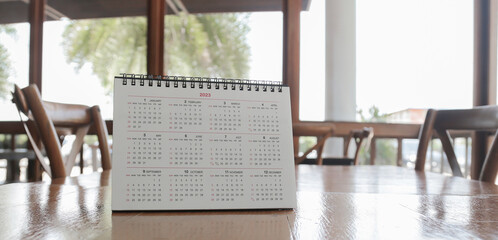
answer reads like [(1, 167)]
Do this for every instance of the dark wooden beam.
[(155, 37), (36, 18), (12, 11), (482, 77), (291, 12)]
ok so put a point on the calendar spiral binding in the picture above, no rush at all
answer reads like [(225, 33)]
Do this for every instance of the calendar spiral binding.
[(223, 83)]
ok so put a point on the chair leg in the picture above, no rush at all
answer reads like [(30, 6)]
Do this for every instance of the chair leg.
[(319, 151), (450, 153), (490, 166), (102, 137), (320, 143), (81, 160), (347, 141), (425, 137), (357, 151), (298, 160)]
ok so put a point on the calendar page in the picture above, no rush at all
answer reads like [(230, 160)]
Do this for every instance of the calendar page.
[(194, 145)]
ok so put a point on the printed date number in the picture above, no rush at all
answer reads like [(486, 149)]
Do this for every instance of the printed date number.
[(205, 94)]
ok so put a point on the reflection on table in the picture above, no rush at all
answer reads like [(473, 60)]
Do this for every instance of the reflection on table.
[(333, 202)]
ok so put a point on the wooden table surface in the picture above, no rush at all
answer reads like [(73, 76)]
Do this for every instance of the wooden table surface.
[(334, 202)]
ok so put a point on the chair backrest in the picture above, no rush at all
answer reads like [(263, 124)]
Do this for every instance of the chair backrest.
[(306, 129), (47, 120), (359, 137), (483, 118), (322, 133)]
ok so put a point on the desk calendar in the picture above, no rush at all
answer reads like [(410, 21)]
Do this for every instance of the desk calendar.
[(184, 143)]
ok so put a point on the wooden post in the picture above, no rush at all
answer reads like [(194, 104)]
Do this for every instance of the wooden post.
[(291, 12), (12, 142), (36, 18), (484, 73), (155, 37)]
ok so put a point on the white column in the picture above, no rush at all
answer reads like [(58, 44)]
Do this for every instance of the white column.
[(340, 66)]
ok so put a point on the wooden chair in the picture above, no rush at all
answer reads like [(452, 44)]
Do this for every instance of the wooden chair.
[(483, 118), (323, 133), (359, 137), (320, 132), (48, 121)]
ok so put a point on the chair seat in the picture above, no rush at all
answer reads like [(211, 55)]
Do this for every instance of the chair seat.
[(330, 161)]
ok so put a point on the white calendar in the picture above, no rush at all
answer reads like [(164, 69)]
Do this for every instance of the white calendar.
[(184, 143)]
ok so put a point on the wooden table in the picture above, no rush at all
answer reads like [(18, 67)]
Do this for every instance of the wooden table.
[(334, 202)]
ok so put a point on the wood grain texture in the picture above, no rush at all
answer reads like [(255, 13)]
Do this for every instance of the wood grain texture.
[(334, 202)]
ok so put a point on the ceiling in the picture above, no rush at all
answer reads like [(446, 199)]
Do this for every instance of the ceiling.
[(16, 11)]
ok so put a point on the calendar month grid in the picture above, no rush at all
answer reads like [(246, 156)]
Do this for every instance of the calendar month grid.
[(192, 148)]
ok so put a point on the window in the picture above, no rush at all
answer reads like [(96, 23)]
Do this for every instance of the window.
[(228, 45), (410, 52), (81, 58), (14, 65)]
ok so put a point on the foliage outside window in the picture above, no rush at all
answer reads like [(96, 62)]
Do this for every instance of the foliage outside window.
[(212, 45), (4, 61)]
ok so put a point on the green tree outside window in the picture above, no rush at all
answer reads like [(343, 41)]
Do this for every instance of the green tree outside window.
[(5, 62), (207, 45)]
